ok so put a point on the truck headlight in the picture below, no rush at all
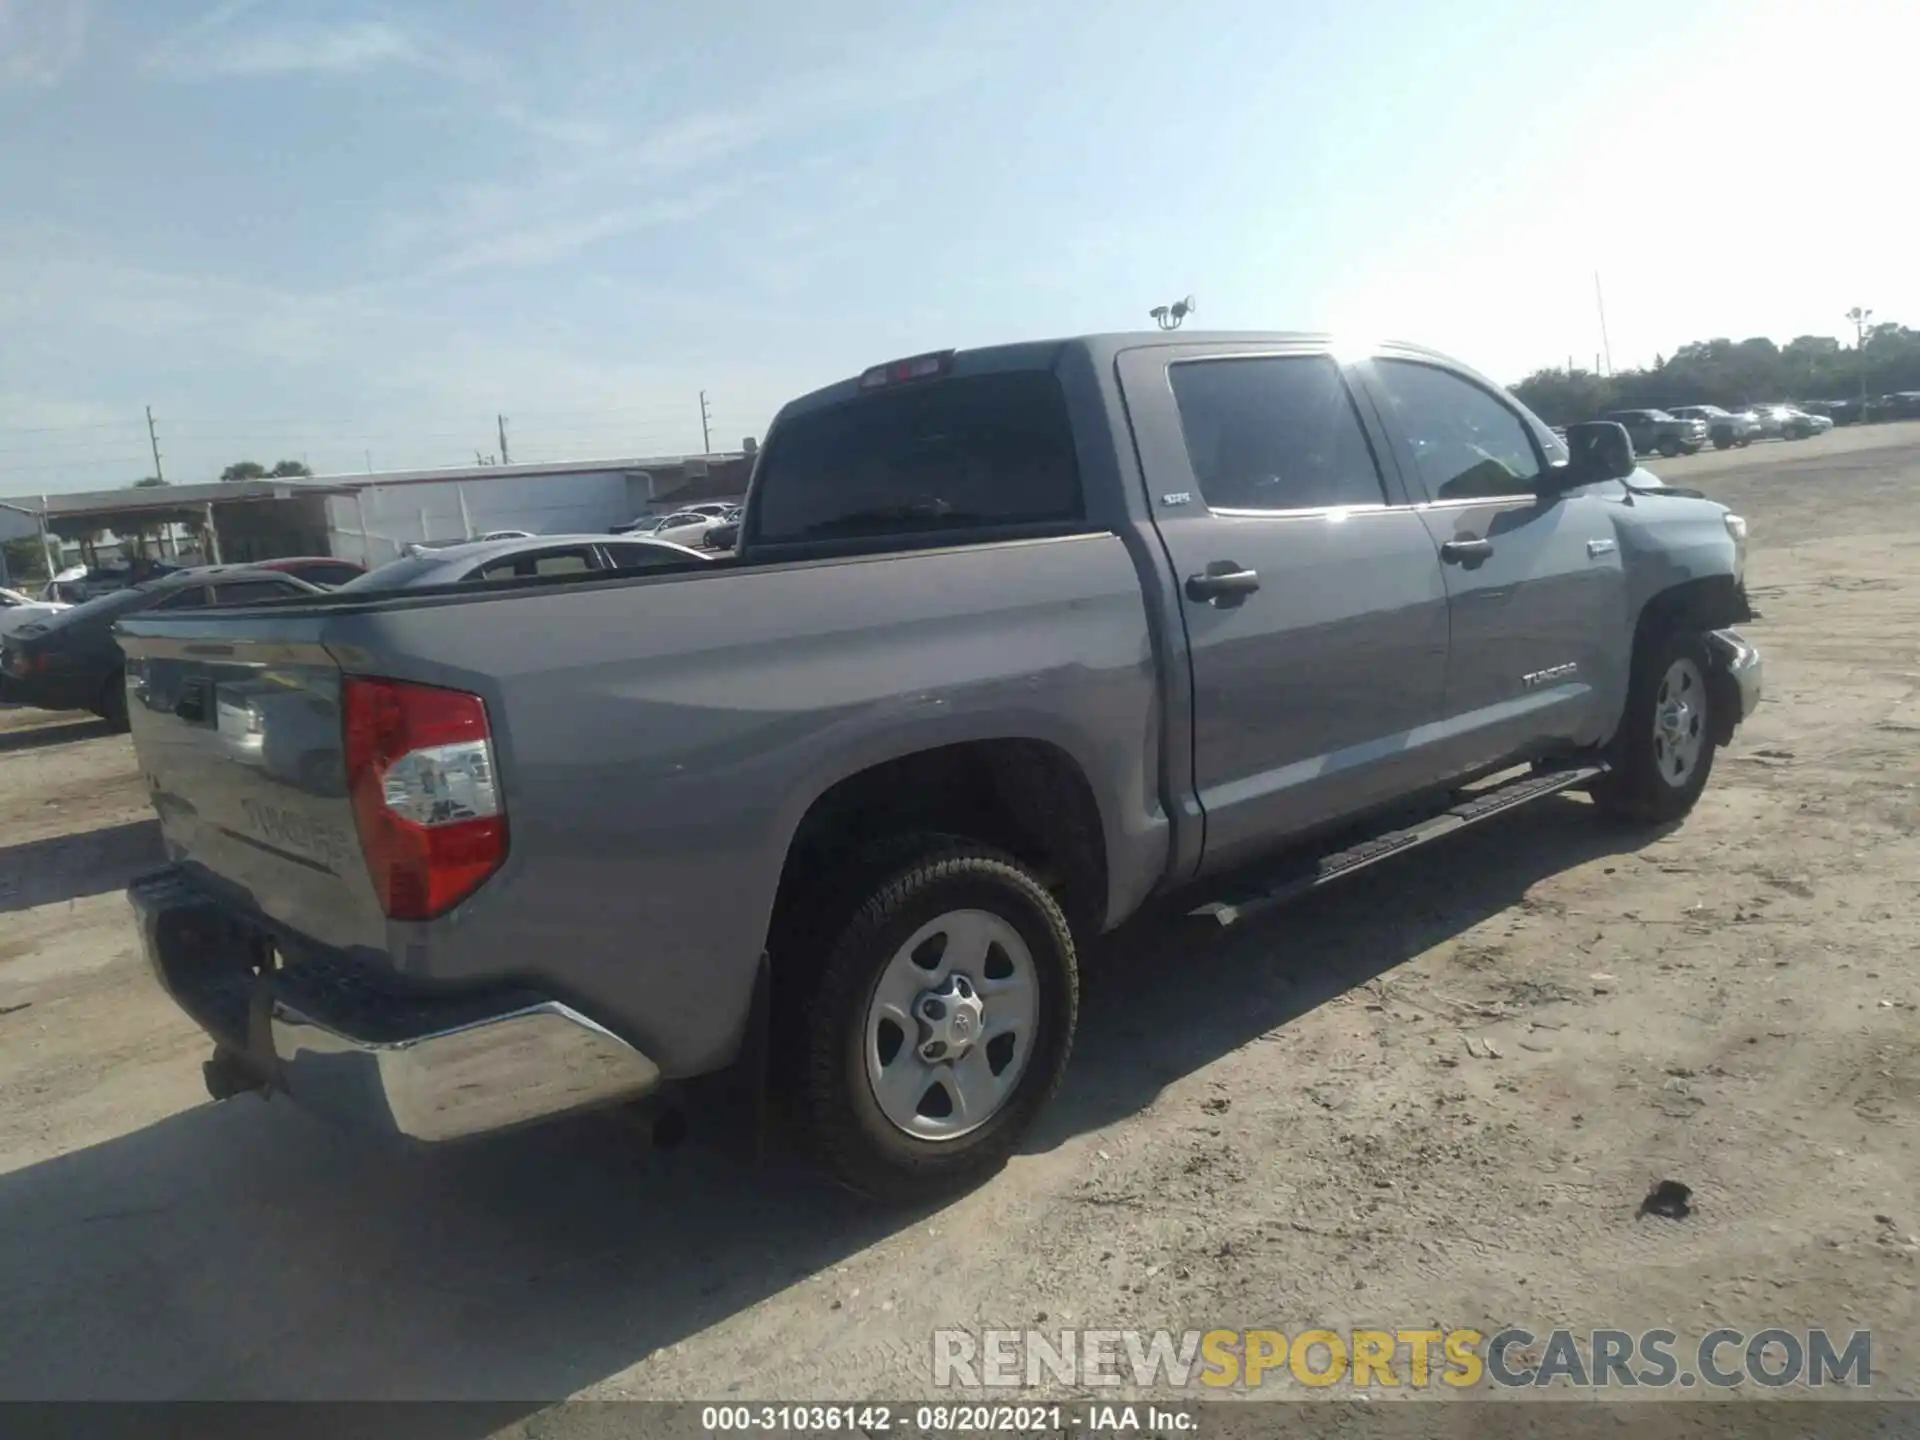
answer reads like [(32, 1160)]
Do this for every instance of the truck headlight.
[(1737, 528)]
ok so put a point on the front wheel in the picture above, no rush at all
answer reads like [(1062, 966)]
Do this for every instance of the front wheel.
[(939, 1024), (1723, 442), (1668, 446), (1663, 752)]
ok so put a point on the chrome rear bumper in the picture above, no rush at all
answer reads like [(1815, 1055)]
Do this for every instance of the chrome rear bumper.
[(429, 1069), (532, 1063)]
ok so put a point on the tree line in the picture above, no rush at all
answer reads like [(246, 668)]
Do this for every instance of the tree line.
[(243, 470), (1733, 374)]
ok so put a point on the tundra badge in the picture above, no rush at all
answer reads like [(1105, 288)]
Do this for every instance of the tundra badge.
[(1551, 674)]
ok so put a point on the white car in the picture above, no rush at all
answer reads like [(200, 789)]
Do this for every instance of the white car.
[(17, 610), (687, 527)]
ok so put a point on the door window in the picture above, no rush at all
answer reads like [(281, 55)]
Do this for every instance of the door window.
[(1465, 443), (569, 561), (247, 592), (639, 557), (1274, 433), (189, 597)]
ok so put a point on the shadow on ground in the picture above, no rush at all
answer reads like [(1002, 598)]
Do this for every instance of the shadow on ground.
[(68, 867), (241, 1250), (38, 737)]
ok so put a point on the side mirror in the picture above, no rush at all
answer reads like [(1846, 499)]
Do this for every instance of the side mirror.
[(1597, 450)]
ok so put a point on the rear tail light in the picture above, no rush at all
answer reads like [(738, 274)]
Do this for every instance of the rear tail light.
[(425, 797)]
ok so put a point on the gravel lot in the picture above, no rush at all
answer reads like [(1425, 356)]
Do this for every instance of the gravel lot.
[(1277, 1125)]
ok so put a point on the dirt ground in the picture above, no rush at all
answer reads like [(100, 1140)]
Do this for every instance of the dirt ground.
[(1277, 1125)]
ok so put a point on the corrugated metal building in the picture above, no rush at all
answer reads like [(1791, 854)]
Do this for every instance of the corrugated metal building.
[(371, 518)]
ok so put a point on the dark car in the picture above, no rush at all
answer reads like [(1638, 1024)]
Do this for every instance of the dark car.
[(1652, 430), (326, 570), (71, 661)]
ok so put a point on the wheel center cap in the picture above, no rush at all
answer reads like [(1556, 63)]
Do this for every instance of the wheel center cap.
[(1676, 719), (950, 1019)]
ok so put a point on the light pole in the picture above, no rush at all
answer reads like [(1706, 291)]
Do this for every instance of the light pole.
[(1168, 317), (1860, 316)]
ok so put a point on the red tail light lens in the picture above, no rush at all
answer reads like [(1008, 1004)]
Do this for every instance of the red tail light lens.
[(425, 797)]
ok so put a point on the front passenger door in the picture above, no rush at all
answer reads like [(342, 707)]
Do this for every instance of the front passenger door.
[(1535, 589)]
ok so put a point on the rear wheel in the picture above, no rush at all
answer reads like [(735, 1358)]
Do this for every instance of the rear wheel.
[(1663, 752), (940, 1021)]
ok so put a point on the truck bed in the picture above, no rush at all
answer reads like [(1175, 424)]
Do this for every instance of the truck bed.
[(658, 740)]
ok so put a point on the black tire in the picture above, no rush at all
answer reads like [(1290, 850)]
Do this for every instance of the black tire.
[(895, 894), (1640, 786), (111, 706), (1744, 441), (1723, 441), (1668, 446)]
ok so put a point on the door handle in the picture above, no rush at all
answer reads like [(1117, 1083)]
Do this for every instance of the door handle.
[(1465, 552), (1223, 584)]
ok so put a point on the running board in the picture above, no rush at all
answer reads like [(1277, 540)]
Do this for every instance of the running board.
[(1315, 871)]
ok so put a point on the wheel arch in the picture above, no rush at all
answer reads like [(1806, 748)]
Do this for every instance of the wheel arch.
[(1026, 795)]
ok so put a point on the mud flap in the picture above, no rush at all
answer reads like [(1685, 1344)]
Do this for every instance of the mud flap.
[(733, 1107)]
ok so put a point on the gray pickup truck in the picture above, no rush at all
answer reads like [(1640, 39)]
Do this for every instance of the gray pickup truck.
[(1014, 640)]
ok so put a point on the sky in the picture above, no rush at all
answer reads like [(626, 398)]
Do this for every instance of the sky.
[(354, 232)]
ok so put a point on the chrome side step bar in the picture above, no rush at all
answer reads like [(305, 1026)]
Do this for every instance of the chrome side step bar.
[(1313, 871)]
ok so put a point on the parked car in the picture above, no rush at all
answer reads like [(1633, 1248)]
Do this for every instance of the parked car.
[(17, 610), (1793, 423), (1656, 430), (1016, 639), (686, 527), (327, 571), (1726, 428), (80, 583), (70, 661), (510, 559), (1841, 412)]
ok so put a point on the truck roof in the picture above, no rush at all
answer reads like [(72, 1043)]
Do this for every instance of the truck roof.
[(1101, 349)]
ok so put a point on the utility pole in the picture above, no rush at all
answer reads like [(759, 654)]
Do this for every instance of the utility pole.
[(505, 458), (706, 435), (153, 439), (1600, 304)]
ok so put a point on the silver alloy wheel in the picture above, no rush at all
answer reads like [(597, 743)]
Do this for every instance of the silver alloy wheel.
[(1679, 722), (951, 1023)]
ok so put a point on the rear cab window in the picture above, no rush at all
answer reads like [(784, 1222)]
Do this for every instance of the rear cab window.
[(928, 462)]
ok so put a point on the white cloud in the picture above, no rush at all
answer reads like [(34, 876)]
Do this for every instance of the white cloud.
[(40, 40), (219, 45)]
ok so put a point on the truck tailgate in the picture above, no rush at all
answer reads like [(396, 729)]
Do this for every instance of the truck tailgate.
[(237, 724)]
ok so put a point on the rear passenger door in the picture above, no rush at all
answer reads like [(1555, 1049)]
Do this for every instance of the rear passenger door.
[(1535, 589), (1314, 610)]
